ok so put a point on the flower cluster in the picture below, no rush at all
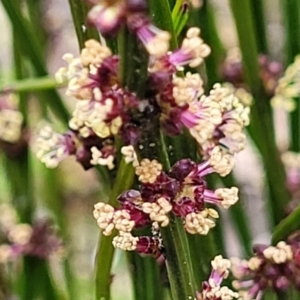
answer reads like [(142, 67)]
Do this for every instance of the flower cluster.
[(270, 71), (106, 109), (288, 87), (181, 191), (272, 267), (52, 148), (103, 111), (20, 239), (212, 289), (291, 161), (11, 119)]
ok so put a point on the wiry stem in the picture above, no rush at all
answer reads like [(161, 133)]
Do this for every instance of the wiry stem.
[(105, 253), (261, 127), (79, 12)]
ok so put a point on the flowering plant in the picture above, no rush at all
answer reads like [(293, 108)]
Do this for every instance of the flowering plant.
[(162, 114)]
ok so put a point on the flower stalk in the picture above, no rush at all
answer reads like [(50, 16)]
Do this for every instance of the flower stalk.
[(105, 253), (291, 14), (287, 226), (261, 115), (31, 85), (33, 51), (84, 32)]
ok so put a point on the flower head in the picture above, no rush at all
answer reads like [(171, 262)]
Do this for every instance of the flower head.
[(192, 52), (11, 120), (148, 171), (212, 289), (52, 147), (272, 267), (21, 239)]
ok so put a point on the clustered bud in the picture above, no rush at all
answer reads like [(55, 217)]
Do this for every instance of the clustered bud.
[(269, 71), (272, 267), (288, 87), (107, 111), (19, 239), (291, 161), (181, 191), (13, 134), (212, 289)]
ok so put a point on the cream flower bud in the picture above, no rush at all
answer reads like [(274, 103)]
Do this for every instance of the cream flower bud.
[(20, 234), (229, 196)]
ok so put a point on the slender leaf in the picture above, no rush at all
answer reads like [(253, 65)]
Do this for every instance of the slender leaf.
[(287, 226), (291, 14), (79, 12), (147, 284), (105, 253), (33, 50), (261, 127), (31, 85), (258, 13)]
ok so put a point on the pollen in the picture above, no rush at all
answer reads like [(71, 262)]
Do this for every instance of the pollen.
[(148, 170)]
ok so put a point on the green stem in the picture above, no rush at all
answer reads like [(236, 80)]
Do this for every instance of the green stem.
[(145, 272), (242, 13), (162, 17), (176, 10), (79, 12), (180, 16), (5, 288), (132, 71), (104, 258), (40, 274), (291, 16), (287, 226), (178, 258), (291, 13), (31, 47), (31, 85), (181, 22), (239, 218), (178, 261), (23, 189), (204, 18), (35, 10), (203, 250), (261, 127), (52, 196), (258, 14), (179, 266)]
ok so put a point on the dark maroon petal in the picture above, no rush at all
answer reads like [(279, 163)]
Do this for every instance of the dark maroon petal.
[(183, 206), (130, 134), (164, 186), (44, 240), (182, 169), (84, 156), (149, 245)]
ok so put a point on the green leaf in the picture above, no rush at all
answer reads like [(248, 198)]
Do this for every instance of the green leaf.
[(291, 14), (261, 127), (79, 12), (287, 226), (146, 279), (258, 13), (31, 47), (31, 85)]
